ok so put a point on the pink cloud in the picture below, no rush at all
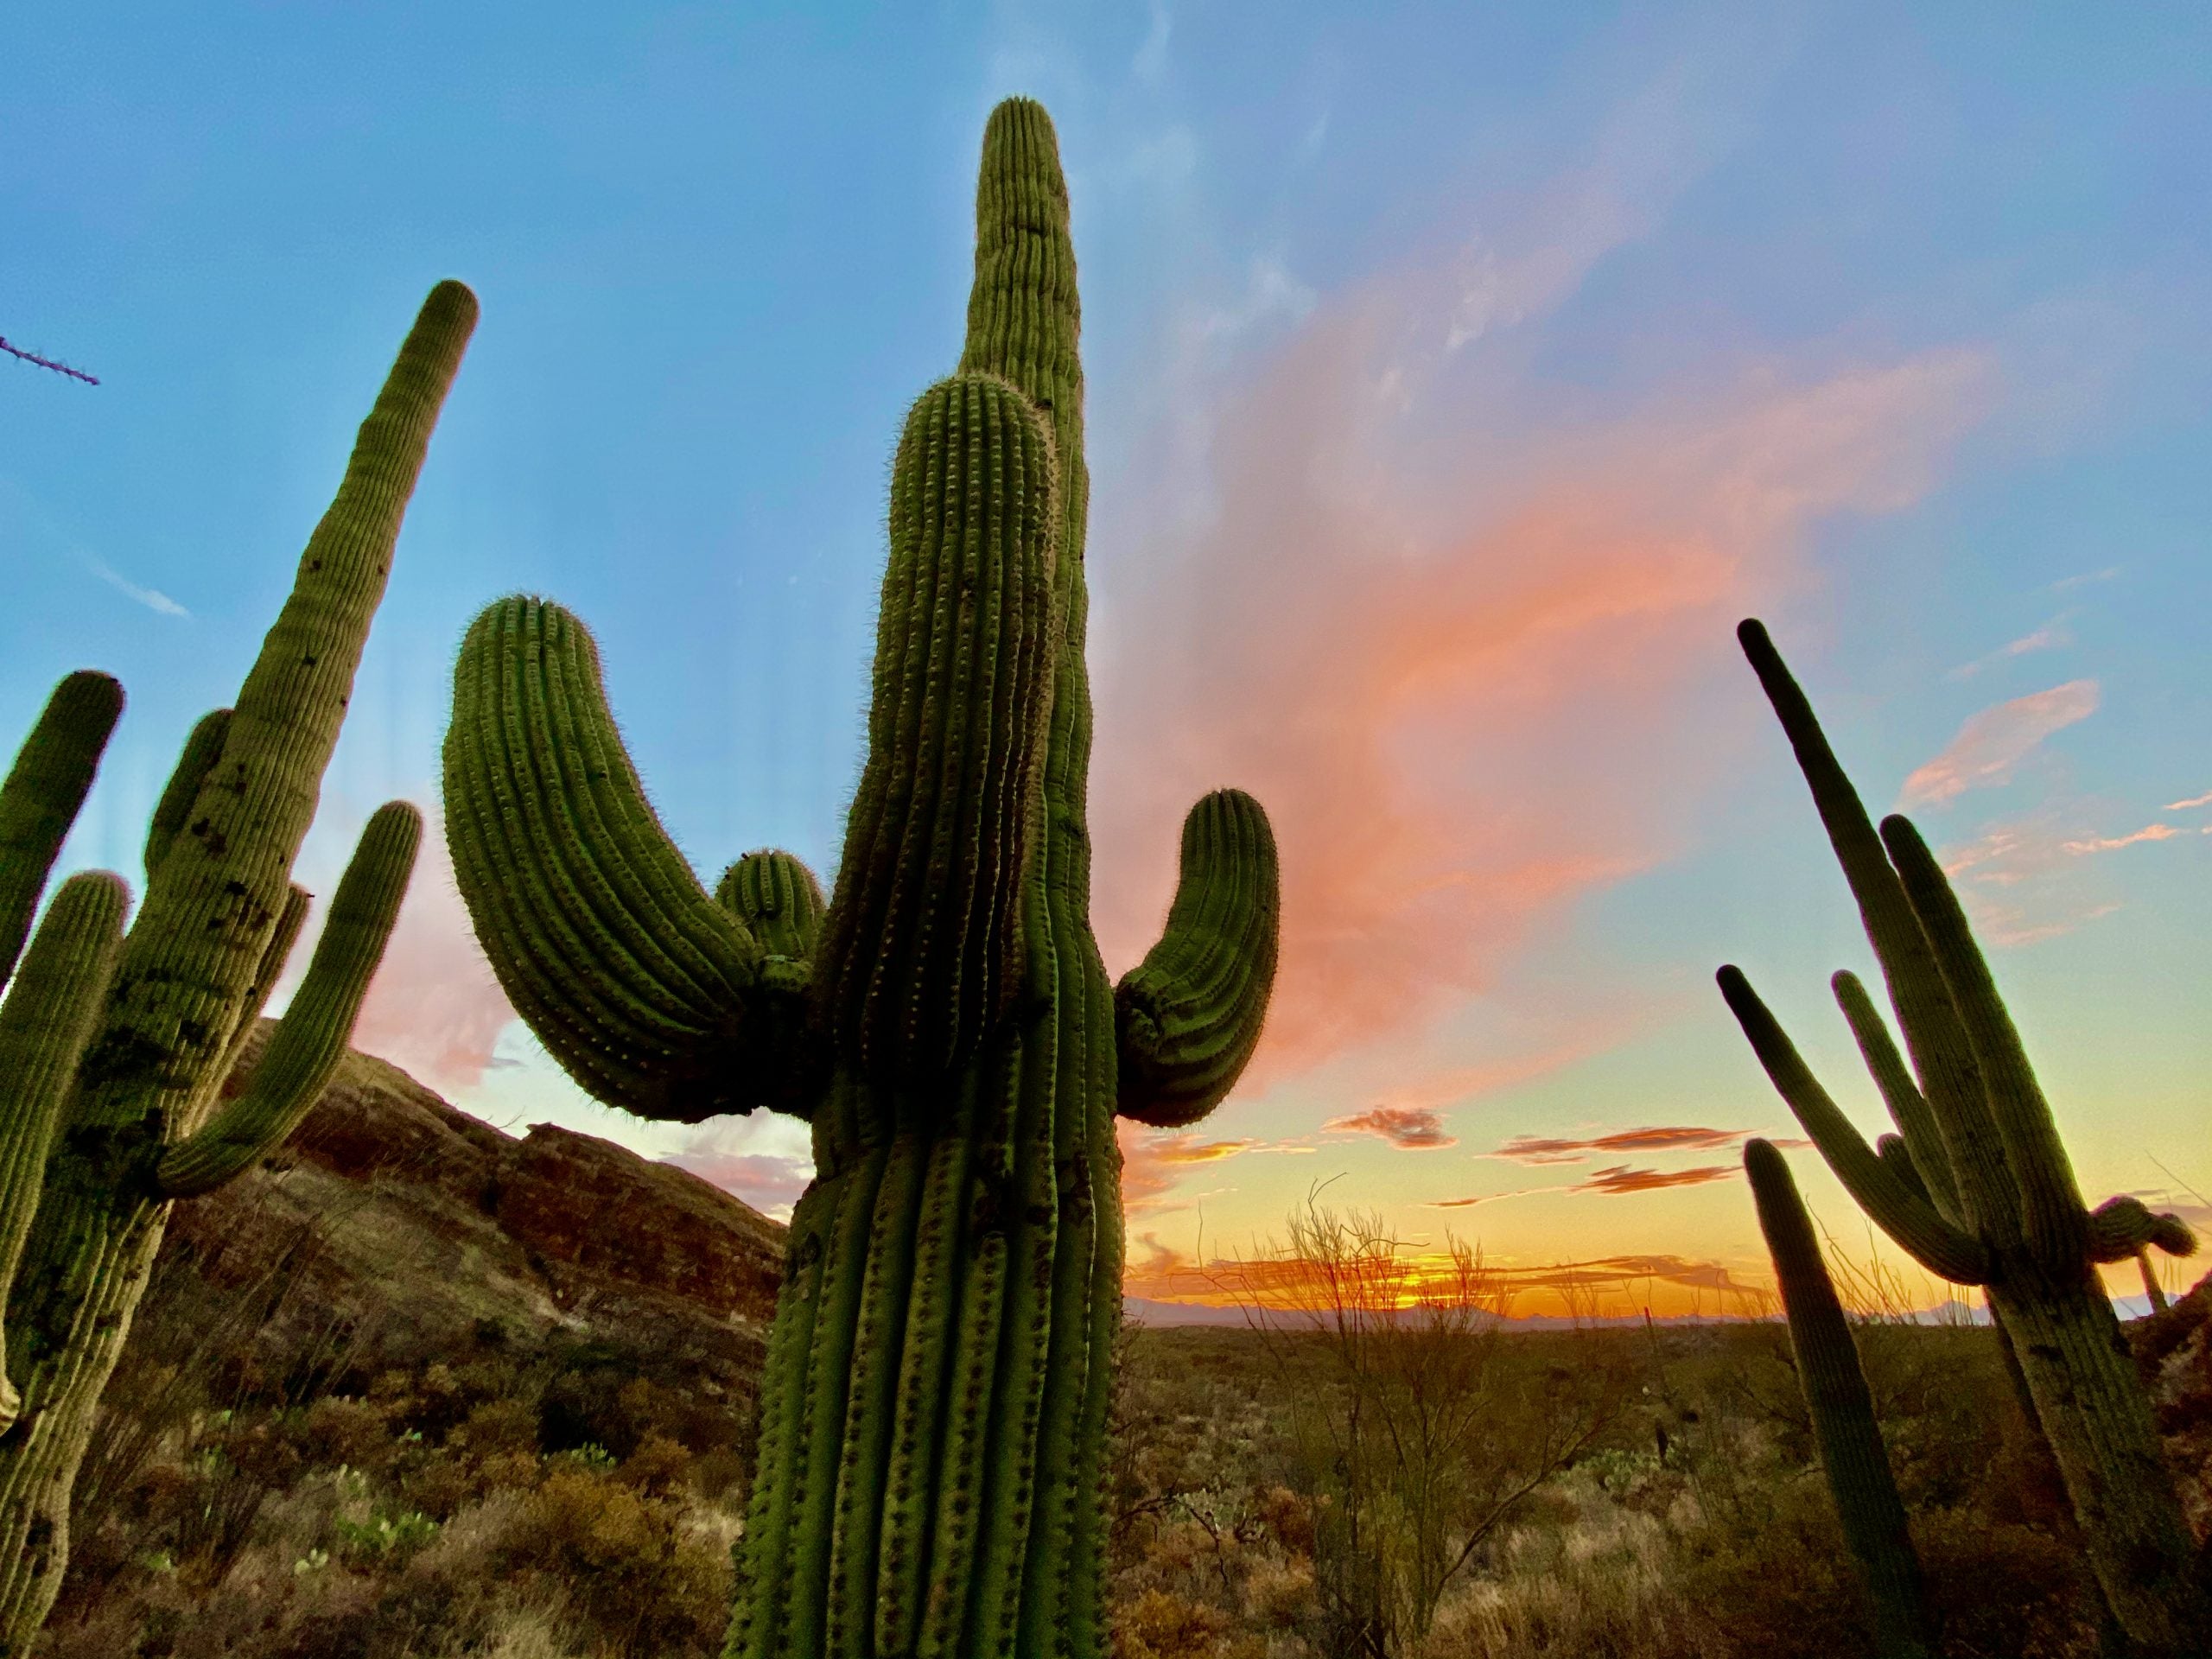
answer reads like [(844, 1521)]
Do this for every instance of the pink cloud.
[(1459, 652), (770, 1182), (434, 1009), (1991, 743), (1409, 1128), (2051, 635), (2148, 832)]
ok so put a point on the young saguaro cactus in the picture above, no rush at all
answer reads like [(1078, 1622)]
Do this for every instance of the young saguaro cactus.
[(1976, 1187), (114, 1046), (933, 1410), (1850, 1441)]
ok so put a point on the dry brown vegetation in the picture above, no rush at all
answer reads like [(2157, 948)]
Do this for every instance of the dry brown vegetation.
[(277, 1478)]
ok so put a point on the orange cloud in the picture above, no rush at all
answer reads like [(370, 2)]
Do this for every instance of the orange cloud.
[(1539, 1149), (1456, 650), (1410, 1128), (1622, 1178), (1991, 743)]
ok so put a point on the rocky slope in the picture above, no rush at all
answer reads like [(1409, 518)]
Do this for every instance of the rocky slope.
[(421, 1233)]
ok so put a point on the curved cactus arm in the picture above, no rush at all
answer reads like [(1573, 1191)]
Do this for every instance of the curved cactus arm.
[(203, 747), (311, 1039), (274, 955), (1851, 1453), (1906, 1217), (1942, 1055), (776, 896), (1919, 1138), (779, 900), (923, 950), (44, 1024), (2052, 1215), (1187, 1018), (635, 979), (38, 802), (1892, 1151), (2122, 1227)]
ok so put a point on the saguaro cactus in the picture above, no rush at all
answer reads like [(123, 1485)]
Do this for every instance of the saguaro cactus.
[(1977, 1187), (1850, 1441), (114, 1046), (934, 1406)]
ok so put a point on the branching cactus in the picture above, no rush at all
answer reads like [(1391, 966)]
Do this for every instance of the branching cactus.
[(933, 1408), (1850, 1441), (115, 1046), (1976, 1187)]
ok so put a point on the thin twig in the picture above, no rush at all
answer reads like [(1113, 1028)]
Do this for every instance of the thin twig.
[(49, 363)]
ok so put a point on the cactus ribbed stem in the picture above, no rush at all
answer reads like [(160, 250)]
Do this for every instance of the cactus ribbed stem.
[(311, 1039), (39, 798), (923, 950), (44, 1024), (201, 953), (933, 1418), (1989, 1198), (1850, 1441), (203, 748)]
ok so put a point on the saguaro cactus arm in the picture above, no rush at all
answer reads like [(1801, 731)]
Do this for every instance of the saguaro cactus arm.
[(38, 802), (1900, 1093), (214, 896), (1900, 1211), (1187, 1018), (1851, 1453), (633, 978), (776, 896), (2049, 1202), (311, 1039), (2122, 1227), (203, 747), (44, 1024), (1956, 1132), (923, 950)]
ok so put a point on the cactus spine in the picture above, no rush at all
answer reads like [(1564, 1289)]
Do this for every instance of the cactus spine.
[(1977, 1186), (1851, 1453), (933, 1408), (113, 1046)]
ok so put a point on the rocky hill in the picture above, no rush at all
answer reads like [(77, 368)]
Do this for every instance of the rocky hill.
[(423, 1233)]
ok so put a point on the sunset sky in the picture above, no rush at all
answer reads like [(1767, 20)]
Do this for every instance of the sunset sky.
[(1458, 378)]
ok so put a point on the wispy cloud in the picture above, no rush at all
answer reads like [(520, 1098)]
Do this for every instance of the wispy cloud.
[(770, 1182), (1410, 1128), (2190, 804), (2148, 832), (152, 598), (2068, 584), (1541, 1149), (1619, 1179), (2051, 635), (1991, 743)]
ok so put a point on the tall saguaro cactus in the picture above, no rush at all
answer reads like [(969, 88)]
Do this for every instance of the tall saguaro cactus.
[(1976, 1187), (933, 1410), (113, 1045), (1850, 1441)]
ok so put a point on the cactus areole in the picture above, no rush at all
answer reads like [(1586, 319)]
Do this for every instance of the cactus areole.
[(933, 1409)]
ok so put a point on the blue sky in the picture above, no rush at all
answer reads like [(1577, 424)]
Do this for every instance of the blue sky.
[(1457, 376)]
